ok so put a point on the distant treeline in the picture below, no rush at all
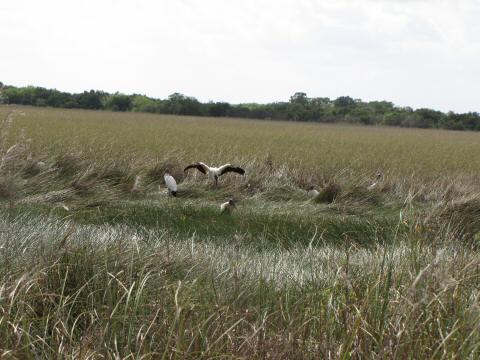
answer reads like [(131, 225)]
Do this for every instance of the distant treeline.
[(300, 107)]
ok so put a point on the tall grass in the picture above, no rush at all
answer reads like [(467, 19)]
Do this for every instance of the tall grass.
[(98, 262), (110, 291), (321, 147)]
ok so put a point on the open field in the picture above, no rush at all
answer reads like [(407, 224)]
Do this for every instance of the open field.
[(313, 147), (97, 261)]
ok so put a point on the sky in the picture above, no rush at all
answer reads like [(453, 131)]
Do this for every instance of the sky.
[(418, 53)]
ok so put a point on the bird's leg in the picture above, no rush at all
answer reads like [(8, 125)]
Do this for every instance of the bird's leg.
[(216, 180)]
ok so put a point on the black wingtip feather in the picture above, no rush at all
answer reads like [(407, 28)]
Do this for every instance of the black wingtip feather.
[(197, 166), (235, 169)]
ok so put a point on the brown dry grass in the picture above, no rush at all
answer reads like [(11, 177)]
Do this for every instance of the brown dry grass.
[(94, 269), (431, 164)]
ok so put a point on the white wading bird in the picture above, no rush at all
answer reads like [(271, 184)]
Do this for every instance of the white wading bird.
[(228, 207), (213, 172), (137, 183), (171, 183), (376, 182), (312, 191)]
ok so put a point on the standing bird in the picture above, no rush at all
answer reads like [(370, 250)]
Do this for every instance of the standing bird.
[(228, 207), (375, 183), (171, 183), (312, 191), (136, 185), (214, 172)]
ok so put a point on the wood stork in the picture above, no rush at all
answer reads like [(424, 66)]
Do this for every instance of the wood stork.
[(213, 172), (376, 182), (228, 207), (136, 184), (171, 183), (312, 191)]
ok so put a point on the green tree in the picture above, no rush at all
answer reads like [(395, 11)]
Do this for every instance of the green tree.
[(91, 99), (218, 109), (118, 102), (299, 98), (180, 104)]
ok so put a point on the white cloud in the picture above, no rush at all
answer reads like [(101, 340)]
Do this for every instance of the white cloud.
[(417, 52)]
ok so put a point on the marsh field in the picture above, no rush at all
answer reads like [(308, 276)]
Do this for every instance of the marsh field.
[(97, 261)]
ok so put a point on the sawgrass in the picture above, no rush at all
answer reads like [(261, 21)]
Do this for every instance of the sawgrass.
[(97, 261), (313, 147), (89, 291)]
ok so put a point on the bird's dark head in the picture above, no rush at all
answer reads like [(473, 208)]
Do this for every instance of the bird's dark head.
[(231, 203), (379, 175), (167, 172)]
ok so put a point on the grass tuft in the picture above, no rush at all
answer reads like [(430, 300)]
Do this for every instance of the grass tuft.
[(68, 164), (7, 187), (361, 195), (464, 214), (329, 193), (32, 168)]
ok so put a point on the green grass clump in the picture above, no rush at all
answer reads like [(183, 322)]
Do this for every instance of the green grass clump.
[(329, 193)]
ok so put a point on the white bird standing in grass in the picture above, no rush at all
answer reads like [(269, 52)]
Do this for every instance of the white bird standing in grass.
[(228, 207), (313, 192), (136, 184), (171, 183), (213, 172), (376, 182)]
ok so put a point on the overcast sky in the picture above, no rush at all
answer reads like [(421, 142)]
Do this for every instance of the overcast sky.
[(422, 53)]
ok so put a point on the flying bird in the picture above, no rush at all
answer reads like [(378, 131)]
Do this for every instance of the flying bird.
[(213, 172), (228, 207), (171, 183)]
